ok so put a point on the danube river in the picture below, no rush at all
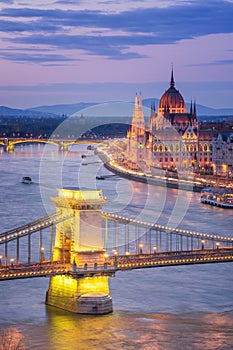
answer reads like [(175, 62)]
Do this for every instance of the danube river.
[(170, 308)]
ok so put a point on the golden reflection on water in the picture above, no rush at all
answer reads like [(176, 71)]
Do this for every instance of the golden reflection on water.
[(122, 330)]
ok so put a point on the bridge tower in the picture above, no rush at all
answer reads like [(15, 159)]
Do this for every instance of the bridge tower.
[(79, 241)]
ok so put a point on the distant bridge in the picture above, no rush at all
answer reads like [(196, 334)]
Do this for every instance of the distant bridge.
[(9, 144)]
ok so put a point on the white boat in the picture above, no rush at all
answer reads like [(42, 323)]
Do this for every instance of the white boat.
[(26, 180), (217, 196)]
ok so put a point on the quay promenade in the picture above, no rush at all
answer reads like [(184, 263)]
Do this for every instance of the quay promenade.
[(191, 182)]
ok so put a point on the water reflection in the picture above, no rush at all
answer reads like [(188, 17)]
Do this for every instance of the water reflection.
[(174, 308)]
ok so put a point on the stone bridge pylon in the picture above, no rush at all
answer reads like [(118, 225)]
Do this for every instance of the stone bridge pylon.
[(79, 241)]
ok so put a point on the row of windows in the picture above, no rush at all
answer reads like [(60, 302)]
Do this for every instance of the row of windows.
[(176, 148)]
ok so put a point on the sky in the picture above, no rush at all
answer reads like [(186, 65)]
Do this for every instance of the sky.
[(71, 51)]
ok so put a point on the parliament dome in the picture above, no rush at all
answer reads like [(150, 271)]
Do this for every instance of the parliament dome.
[(172, 100)]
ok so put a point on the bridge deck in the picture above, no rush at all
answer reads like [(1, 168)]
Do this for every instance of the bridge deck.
[(113, 264)]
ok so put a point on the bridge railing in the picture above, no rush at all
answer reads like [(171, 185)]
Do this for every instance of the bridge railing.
[(18, 242), (112, 265), (123, 234)]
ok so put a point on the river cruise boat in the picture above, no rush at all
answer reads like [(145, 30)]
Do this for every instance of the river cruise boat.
[(217, 196), (26, 180)]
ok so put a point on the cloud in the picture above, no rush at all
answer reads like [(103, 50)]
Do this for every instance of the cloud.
[(66, 2), (214, 63), (34, 58), (119, 33)]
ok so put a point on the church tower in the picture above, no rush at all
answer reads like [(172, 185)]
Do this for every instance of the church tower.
[(137, 134), (152, 120)]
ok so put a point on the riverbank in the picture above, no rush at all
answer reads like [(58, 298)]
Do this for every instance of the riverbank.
[(181, 184)]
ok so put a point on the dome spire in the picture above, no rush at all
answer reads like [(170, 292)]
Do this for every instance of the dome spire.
[(191, 107), (172, 82), (195, 108)]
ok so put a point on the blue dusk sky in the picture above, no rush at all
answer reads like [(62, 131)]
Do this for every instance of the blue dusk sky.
[(70, 51)]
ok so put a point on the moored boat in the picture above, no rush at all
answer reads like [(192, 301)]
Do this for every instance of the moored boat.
[(217, 196)]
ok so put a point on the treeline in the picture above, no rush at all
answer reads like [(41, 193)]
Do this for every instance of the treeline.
[(60, 127)]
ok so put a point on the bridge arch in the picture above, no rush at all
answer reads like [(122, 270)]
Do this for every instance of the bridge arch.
[(63, 145)]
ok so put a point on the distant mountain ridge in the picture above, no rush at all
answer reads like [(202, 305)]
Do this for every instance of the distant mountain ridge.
[(64, 109), (69, 109), (15, 112)]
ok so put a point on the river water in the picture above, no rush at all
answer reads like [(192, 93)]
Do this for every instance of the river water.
[(170, 308)]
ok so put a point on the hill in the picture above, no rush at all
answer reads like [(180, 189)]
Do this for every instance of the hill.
[(13, 112), (114, 108)]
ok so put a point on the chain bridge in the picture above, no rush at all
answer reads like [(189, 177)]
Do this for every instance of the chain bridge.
[(80, 247)]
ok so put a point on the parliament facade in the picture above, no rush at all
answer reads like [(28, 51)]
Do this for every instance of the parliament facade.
[(174, 140)]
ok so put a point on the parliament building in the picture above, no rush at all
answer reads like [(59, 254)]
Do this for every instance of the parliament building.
[(173, 139)]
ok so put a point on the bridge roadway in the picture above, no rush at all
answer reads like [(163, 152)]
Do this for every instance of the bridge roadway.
[(8, 143), (116, 263)]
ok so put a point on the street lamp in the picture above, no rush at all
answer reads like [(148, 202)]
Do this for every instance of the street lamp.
[(155, 249), (42, 257), (115, 254), (140, 248), (0, 260), (12, 261), (105, 260), (74, 265), (217, 245), (202, 244)]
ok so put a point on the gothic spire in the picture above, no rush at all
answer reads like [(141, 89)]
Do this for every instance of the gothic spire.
[(140, 100), (194, 109), (191, 107), (136, 101), (172, 82)]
